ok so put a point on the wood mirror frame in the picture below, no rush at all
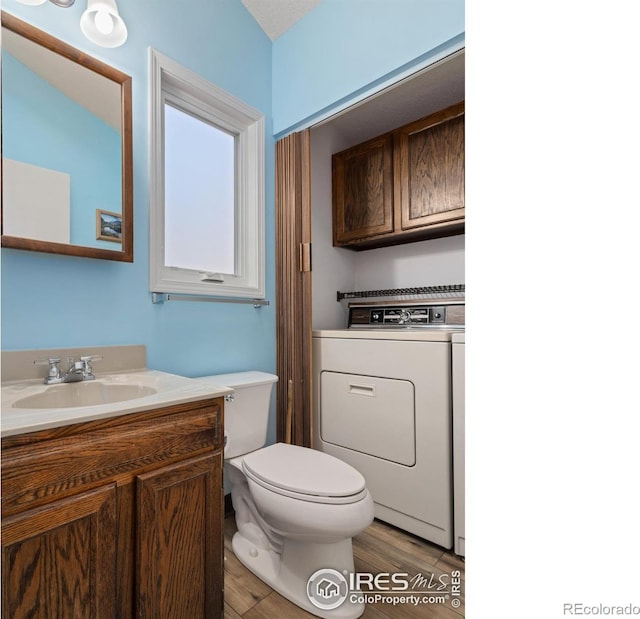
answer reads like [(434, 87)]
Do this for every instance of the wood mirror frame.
[(74, 55)]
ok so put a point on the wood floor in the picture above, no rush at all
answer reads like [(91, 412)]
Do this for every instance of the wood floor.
[(380, 548)]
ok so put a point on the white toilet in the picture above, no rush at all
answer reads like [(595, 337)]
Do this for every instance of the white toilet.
[(296, 508)]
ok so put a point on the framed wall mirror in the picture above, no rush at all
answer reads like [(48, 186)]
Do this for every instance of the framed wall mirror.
[(67, 168)]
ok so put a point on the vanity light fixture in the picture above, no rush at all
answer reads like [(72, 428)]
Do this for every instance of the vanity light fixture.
[(100, 23)]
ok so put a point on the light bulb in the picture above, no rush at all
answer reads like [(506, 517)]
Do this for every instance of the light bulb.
[(103, 21)]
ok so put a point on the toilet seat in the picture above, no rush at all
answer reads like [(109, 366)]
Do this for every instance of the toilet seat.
[(304, 474)]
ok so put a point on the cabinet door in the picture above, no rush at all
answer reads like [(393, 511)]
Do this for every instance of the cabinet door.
[(59, 560), (429, 165), (363, 190), (180, 546)]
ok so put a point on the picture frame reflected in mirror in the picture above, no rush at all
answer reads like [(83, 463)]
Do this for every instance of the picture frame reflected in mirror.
[(108, 226)]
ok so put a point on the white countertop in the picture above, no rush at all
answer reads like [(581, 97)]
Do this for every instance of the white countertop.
[(170, 389)]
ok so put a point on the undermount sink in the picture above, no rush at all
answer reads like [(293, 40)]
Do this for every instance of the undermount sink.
[(92, 393)]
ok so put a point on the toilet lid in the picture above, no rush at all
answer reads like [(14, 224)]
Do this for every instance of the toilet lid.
[(303, 471)]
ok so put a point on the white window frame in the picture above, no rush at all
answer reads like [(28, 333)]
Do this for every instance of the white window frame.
[(169, 81)]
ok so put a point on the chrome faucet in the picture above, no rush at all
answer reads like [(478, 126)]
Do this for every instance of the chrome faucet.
[(76, 372)]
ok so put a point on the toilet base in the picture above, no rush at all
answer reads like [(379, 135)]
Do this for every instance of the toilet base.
[(288, 572)]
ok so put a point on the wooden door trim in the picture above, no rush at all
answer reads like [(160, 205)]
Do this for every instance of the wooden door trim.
[(293, 288)]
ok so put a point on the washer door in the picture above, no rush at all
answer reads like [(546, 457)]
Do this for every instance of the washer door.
[(369, 414)]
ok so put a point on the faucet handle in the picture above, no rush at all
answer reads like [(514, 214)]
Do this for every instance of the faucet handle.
[(87, 363), (90, 358), (54, 370), (46, 361)]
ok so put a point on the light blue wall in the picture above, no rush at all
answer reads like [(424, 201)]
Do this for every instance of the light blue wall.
[(62, 301), (343, 50), (335, 54), (43, 127)]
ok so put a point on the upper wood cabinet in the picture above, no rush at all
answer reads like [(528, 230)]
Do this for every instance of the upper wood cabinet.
[(363, 190), (429, 164), (406, 185)]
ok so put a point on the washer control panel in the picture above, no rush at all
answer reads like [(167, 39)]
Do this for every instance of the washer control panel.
[(399, 316)]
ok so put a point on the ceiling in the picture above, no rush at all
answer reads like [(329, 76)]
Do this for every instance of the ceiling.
[(432, 89), (277, 16)]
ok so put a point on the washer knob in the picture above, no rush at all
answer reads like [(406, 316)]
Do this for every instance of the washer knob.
[(405, 316)]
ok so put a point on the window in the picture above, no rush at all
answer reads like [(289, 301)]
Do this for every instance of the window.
[(207, 187)]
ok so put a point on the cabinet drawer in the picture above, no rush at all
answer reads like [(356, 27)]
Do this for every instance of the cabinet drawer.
[(38, 473)]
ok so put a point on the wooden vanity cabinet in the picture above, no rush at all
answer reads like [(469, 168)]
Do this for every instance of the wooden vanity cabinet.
[(403, 186), (116, 518)]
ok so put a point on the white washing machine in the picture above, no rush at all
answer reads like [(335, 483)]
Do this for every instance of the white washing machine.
[(382, 403), (458, 389)]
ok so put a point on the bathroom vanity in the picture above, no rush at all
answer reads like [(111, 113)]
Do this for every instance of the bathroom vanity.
[(115, 515), (116, 518)]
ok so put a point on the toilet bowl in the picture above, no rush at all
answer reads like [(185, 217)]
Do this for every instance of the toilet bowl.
[(296, 509)]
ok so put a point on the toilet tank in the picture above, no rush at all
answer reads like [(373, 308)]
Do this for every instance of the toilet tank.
[(247, 415)]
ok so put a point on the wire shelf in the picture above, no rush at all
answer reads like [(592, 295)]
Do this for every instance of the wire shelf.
[(454, 290)]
